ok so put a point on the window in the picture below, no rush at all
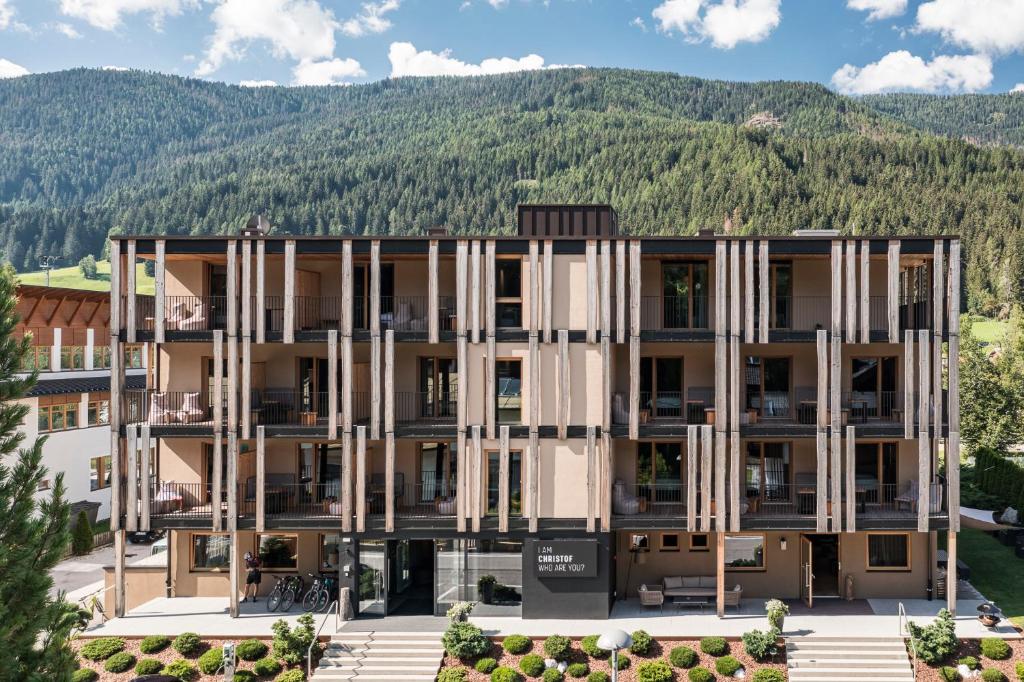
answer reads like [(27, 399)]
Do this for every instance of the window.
[(684, 300), (873, 384), (438, 471), (99, 412), (278, 552), (72, 357), (508, 292), (876, 466), (210, 552), (768, 470), (744, 552), (669, 542), (132, 357), (99, 472), (888, 552), (58, 417), (659, 474), (509, 388), (101, 357), (439, 388), (661, 387), (780, 292), (330, 551), (699, 542), (515, 482), (767, 381), (37, 357)]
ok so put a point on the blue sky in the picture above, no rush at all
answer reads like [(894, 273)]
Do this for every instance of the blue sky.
[(854, 46)]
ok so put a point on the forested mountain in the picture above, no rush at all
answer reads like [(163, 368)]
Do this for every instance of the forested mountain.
[(983, 119), (84, 152)]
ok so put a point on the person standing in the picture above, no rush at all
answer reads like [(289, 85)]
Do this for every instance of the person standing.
[(253, 576)]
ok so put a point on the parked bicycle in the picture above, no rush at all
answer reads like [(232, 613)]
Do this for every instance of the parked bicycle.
[(285, 592), (320, 593)]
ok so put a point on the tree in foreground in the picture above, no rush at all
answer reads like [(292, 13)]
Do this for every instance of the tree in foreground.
[(35, 628)]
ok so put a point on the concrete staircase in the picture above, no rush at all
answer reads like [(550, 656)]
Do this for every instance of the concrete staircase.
[(848, 659), (381, 657)]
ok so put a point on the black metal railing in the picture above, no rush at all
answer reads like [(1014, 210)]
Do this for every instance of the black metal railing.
[(782, 499), (425, 406), (167, 408), (290, 407), (428, 499), (170, 499), (674, 312)]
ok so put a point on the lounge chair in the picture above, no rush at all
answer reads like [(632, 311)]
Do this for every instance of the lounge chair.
[(623, 503), (908, 497), (732, 597), (651, 597), (191, 409), (159, 409)]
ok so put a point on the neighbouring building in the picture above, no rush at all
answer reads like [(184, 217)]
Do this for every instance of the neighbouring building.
[(546, 422)]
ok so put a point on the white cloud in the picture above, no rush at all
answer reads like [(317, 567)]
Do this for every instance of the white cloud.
[(67, 30), (6, 14), (114, 67), (639, 23), (989, 26), (725, 23), (327, 72), (371, 19), (1019, 87), (257, 84), (879, 9), (12, 70), (107, 14), (406, 60), (497, 4), (299, 29), (903, 71)]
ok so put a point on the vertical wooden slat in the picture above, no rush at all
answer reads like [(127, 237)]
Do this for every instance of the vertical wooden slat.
[(692, 473), (130, 270), (607, 469), (938, 310), (606, 384), (246, 387), (346, 288), (734, 387), (764, 292), (953, 372), (503, 501), (593, 293), (721, 473), (115, 287), (835, 385), (620, 291), (461, 287), (375, 399), (534, 282), (865, 291), (821, 492), (634, 287), (433, 335), (836, 269), (232, 287), (217, 491), (951, 573), (893, 290), (489, 274), (606, 288), (534, 481), (535, 390), (908, 384), (479, 466), (346, 384), (232, 481), (231, 395), (119, 580), (924, 454), (634, 387), (851, 291), (461, 495), (707, 435), (748, 291), (261, 298), (549, 275), (289, 291), (159, 291), (145, 478), (591, 478), (261, 478), (562, 395), (116, 382), (720, 574), (721, 379), (389, 381), (851, 479), (218, 379), (375, 287), (233, 578), (360, 479), (474, 282), (389, 483), (332, 384), (246, 296), (346, 481), (131, 522), (461, 371), (490, 406)]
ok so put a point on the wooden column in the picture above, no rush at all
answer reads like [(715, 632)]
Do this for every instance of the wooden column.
[(389, 430), (707, 435), (938, 310), (389, 483), (606, 384), (821, 434), (347, 296), (924, 454), (634, 287), (261, 298), (620, 291), (606, 288), (533, 317), (433, 335), (332, 384), (116, 379), (489, 324), (246, 297), (548, 318), (591, 478), (865, 291), (593, 291), (115, 287), (232, 392), (461, 287), (835, 384), (720, 573), (346, 480), (908, 384), (634, 388), (692, 473), (216, 489), (232, 287), (131, 522), (119, 582), (360, 479), (734, 387), (748, 291), (477, 467), (232, 480), (233, 569), (159, 291), (462, 374), (607, 476), (218, 381), (533, 462), (851, 479), (764, 298), (474, 280), (562, 393), (503, 501), (261, 478), (721, 379), (893, 290), (375, 399), (851, 291), (145, 484), (951, 573), (720, 475), (953, 372), (130, 321), (461, 494), (289, 291), (534, 481)]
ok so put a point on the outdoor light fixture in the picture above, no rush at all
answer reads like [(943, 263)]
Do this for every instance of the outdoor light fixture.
[(612, 641), (782, 543)]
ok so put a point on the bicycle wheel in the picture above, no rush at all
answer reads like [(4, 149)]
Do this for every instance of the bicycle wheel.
[(287, 599), (323, 597), (309, 600), (274, 599)]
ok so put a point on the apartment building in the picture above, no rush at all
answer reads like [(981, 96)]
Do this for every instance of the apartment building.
[(70, 403), (543, 423)]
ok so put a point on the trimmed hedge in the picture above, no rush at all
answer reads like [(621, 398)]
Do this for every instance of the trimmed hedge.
[(1020, 670), (504, 674), (683, 657), (700, 675), (641, 643), (486, 665), (251, 650), (992, 675), (295, 675), (948, 673), (149, 666), (243, 676), (769, 675), (517, 644), (578, 670), (714, 646), (187, 644), (210, 662), (654, 671), (119, 662), (727, 665), (999, 476), (597, 676), (558, 647), (84, 675), (182, 669), (154, 644), (266, 666), (452, 675), (970, 661), (532, 665), (624, 661), (102, 648), (995, 648), (589, 646), (552, 675)]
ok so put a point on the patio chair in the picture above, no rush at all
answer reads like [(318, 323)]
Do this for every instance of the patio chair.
[(620, 415), (195, 320), (908, 497), (622, 502), (732, 597), (650, 597), (177, 313), (159, 410), (191, 410)]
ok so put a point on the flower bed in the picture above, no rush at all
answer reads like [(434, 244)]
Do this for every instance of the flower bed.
[(658, 651), (972, 647)]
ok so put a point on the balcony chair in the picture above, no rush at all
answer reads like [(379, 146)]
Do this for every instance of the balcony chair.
[(168, 499), (159, 410), (278, 491), (176, 314), (907, 497), (651, 597), (191, 409), (623, 503), (620, 415), (404, 319), (377, 490)]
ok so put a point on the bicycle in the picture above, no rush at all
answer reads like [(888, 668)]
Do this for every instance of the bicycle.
[(276, 595), (320, 592), (309, 600), (292, 590)]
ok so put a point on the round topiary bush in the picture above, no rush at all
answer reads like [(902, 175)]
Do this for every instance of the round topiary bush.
[(654, 671), (154, 644), (187, 644), (589, 646), (517, 644), (296, 675), (714, 646), (552, 675), (641, 643), (948, 673), (101, 648), (243, 676), (486, 665), (268, 666), (251, 650), (578, 670), (84, 675), (970, 661), (597, 676), (504, 674), (1020, 670), (532, 665), (465, 640), (210, 661), (769, 675), (623, 662), (148, 666), (182, 669), (452, 675), (995, 648), (558, 647), (119, 662), (700, 675), (992, 675), (683, 657), (727, 665)]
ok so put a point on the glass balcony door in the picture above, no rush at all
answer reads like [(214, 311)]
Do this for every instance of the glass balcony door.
[(769, 386), (661, 387), (438, 394), (684, 291)]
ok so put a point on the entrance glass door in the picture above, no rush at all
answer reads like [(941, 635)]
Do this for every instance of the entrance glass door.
[(806, 571), (373, 579)]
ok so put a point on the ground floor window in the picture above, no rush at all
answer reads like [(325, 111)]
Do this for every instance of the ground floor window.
[(210, 552), (330, 552), (888, 552), (278, 552), (515, 482), (669, 542), (744, 552), (699, 542), (99, 473)]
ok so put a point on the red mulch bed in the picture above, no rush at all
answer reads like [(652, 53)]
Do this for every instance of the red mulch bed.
[(972, 647), (659, 650)]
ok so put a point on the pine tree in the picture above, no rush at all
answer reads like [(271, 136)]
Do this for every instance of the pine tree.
[(81, 536), (35, 628)]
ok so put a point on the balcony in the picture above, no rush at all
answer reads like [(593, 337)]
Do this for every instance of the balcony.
[(669, 407), (167, 408), (413, 407)]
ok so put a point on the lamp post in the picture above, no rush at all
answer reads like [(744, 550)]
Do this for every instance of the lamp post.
[(612, 641)]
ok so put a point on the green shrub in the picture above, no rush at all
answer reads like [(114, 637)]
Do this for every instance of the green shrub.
[(119, 662), (517, 644), (210, 661), (486, 665), (948, 673), (532, 665), (251, 650), (296, 675), (84, 675), (970, 661), (182, 669), (243, 676), (761, 645), (558, 647), (101, 648), (995, 648), (1020, 670), (578, 669), (623, 662), (937, 640), (769, 675), (504, 674), (81, 535), (465, 640), (714, 646), (291, 644), (683, 657), (552, 675), (266, 667), (154, 644), (654, 671), (641, 643), (589, 646), (700, 675), (148, 666), (597, 676), (452, 674), (187, 644), (992, 675), (727, 665)]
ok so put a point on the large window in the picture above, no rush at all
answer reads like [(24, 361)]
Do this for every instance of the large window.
[(99, 473), (888, 552), (744, 552), (330, 552), (438, 464), (38, 357), (99, 411), (508, 291), (780, 287), (684, 299), (101, 357), (515, 482), (877, 472), (661, 387), (132, 357), (768, 386), (72, 357), (278, 552), (659, 475), (211, 552), (439, 388), (768, 469), (509, 391), (873, 384), (59, 417)]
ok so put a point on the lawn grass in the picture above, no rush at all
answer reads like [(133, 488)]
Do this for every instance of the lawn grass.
[(71, 277), (986, 329), (995, 571)]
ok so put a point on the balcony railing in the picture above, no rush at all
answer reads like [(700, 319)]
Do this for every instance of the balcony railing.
[(659, 313), (870, 406), (650, 499), (782, 499), (414, 500), (289, 407), (167, 408), (872, 501), (169, 499), (420, 406)]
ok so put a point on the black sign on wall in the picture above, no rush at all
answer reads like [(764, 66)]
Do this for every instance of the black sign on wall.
[(566, 559)]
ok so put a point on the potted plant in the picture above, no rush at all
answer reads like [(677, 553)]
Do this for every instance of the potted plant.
[(485, 586), (777, 612)]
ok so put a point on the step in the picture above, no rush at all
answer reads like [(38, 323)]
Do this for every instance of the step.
[(850, 663), (833, 646), (804, 655), (404, 667), (415, 657), (378, 677), (389, 651), (815, 673), (840, 677)]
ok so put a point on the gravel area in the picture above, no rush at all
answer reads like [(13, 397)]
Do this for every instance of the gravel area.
[(972, 647), (659, 650)]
